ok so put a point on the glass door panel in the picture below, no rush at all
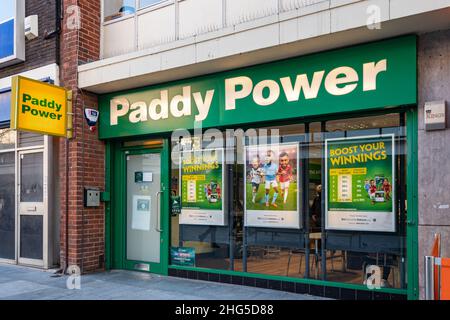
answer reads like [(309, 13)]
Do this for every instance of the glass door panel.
[(143, 216), (31, 207), (7, 207)]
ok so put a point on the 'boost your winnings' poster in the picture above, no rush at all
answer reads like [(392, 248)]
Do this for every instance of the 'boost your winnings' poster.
[(201, 178), (360, 184)]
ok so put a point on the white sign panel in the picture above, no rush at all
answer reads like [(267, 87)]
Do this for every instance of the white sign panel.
[(141, 213), (147, 177), (435, 115)]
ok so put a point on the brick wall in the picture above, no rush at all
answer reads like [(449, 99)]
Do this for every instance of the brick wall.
[(39, 51), (86, 153)]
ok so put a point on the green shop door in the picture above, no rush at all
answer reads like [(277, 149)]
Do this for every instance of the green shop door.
[(145, 210)]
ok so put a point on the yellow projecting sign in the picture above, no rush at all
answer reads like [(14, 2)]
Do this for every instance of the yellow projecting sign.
[(40, 107)]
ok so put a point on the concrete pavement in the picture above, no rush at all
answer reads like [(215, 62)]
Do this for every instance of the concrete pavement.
[(22, 283)]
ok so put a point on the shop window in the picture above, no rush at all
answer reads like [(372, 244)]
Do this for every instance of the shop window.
[(114, 9), (8, 7), (148, 3), (322, 200), (12, 43), (7, 16), (7, 139), (7, 205), (5, 108)]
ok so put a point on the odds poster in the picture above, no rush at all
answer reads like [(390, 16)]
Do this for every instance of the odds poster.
[(360, 183), (272, 186), (201, 179)]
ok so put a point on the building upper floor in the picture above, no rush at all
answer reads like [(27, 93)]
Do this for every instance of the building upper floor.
[(143, 42)]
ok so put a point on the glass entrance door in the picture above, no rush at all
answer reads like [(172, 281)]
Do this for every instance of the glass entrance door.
[(144, 203), (31, 204)]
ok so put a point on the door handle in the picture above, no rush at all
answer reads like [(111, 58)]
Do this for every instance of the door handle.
[(158, 211), (32, 209)]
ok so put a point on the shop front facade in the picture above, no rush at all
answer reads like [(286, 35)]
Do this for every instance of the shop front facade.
[(294, 175), (284, 151)]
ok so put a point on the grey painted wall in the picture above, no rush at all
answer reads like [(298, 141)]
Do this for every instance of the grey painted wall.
[(434, 147)]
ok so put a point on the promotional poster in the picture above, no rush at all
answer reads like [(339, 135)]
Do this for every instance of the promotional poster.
[(360, 183), (271, 186), (180, 256), (201, 179)]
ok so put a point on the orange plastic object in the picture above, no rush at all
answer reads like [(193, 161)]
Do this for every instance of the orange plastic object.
[(436, 252), (445, 279)]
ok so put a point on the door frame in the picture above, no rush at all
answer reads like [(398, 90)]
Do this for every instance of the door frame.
[(28, 261), (116, 209)]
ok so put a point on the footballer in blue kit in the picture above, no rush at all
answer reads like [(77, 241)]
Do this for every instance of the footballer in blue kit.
[(270, 174)]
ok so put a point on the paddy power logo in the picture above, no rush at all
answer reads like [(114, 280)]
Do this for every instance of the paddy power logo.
[(42, 108), (337, 82)]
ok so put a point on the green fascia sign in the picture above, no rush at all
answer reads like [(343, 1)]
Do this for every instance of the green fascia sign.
[(360, 78)]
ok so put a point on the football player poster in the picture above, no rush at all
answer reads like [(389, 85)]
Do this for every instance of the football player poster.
[(272, 186)]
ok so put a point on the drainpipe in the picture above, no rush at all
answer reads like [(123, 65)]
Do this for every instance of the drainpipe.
[(48, 35), (66, 220)]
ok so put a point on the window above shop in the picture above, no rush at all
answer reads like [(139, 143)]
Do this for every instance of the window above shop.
[(5, 102), (147, 3), (7, 10), (7, 139), (12, 41), (116, 9)]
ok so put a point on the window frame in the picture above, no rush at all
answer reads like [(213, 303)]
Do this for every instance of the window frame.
[(5, 123), (138, 10)]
